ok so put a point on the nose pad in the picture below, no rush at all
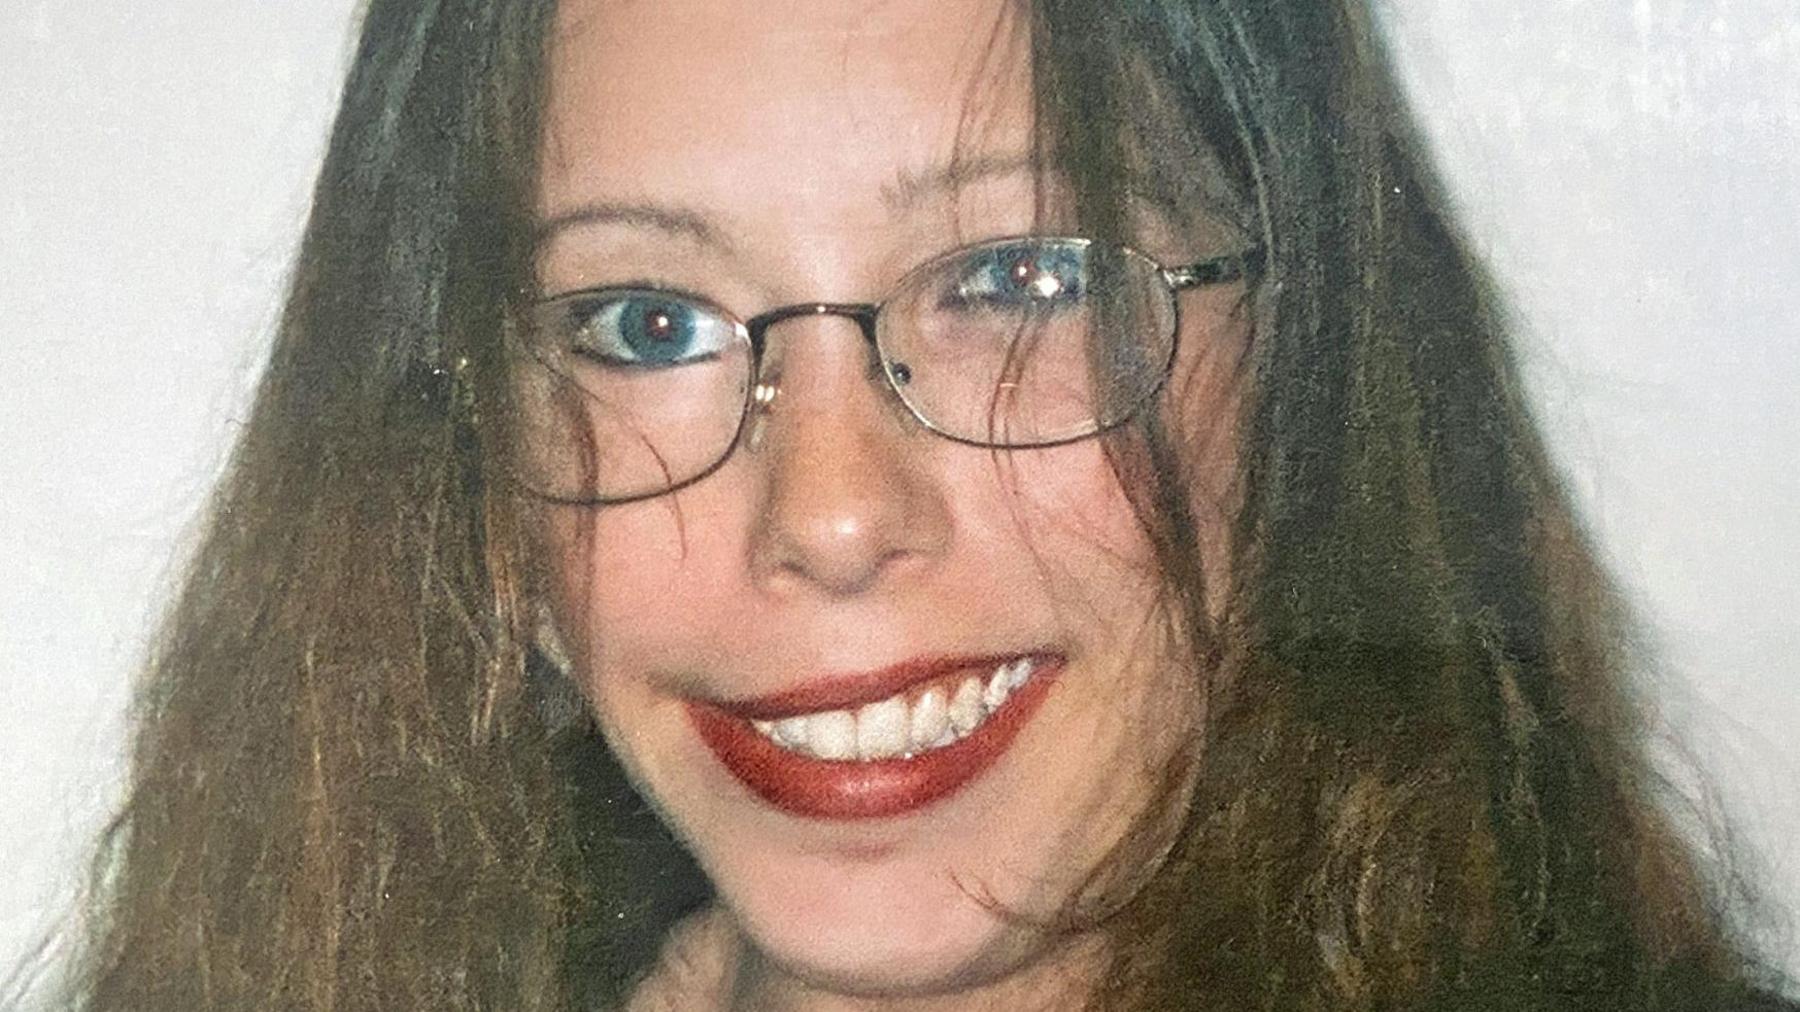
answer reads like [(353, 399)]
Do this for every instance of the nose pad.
[(848, 502), (762, 401), (767, 388)]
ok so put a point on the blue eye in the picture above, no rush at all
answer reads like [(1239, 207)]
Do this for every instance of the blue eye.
[(646, 329), (1035, 276)]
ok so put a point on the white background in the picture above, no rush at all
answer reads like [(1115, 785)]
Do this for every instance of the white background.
[(1630, 167)]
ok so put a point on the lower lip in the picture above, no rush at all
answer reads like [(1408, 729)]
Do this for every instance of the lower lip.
[(828, 789)]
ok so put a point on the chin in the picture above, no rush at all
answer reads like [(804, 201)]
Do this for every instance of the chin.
[(872, 931)]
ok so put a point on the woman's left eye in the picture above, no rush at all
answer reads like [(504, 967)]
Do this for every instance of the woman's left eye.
[(645, 329), (1022, 276)]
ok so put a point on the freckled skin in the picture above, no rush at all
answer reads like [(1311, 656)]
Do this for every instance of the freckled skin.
[(848, 538)]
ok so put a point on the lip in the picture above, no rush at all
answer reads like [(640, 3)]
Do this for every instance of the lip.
[(849, 789), (849, 691)]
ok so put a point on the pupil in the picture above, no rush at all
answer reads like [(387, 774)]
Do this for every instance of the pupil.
[(1023, 270), (658, 325), (659, 332)]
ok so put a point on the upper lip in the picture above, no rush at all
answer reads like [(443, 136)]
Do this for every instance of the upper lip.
[(847, 691)]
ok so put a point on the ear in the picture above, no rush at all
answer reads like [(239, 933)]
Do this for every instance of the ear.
[(548, 640)]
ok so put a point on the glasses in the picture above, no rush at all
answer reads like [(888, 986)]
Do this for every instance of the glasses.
[(621, 394)]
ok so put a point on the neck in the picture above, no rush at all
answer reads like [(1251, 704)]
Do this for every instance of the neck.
[(708, 965)]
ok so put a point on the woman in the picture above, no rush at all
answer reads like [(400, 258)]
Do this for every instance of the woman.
[(1032, 500)]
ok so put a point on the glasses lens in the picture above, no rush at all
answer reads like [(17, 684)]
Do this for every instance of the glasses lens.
[(1031, 341), (625, 393)]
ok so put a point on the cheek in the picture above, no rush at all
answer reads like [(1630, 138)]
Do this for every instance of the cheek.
[(1068, 497), (632, 585), (1069, 507)]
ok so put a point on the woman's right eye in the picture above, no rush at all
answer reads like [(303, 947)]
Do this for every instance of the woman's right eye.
[(1024, 276), (644, 330)]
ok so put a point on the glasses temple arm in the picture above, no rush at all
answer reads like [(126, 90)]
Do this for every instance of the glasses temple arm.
[(1217, 271)]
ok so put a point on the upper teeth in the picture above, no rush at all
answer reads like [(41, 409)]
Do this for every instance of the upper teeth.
[(903, 724)]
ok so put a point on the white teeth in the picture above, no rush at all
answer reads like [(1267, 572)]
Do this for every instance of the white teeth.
[(965, 707), (998, 685), (791, 731), (890, 727), (832, 735), (881, 729), (930, 718)]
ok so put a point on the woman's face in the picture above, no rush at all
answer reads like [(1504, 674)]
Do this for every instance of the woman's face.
[(763, 154)]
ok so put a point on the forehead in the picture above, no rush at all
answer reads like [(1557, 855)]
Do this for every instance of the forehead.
[(777, 104)]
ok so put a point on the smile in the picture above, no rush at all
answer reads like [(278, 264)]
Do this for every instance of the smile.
[(948, 723), (904, 724)]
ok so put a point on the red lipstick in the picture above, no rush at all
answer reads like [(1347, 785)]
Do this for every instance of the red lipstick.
[(852, 789), (847, 692)]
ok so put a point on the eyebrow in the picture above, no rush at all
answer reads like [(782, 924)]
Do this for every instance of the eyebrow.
[(910, 188), (907, 189), (660, 217)]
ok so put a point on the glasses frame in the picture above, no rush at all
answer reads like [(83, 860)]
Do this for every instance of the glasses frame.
[(1246, 264)]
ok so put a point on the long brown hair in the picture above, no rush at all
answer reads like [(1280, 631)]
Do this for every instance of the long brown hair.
[(1424, 780), (1423, 783)]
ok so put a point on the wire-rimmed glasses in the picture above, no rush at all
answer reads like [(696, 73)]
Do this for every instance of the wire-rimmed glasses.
[(620, 394)]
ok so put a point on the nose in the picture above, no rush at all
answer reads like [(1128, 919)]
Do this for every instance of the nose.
[(850, 498)]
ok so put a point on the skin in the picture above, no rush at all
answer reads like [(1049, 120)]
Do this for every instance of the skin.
[(809, 137)]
